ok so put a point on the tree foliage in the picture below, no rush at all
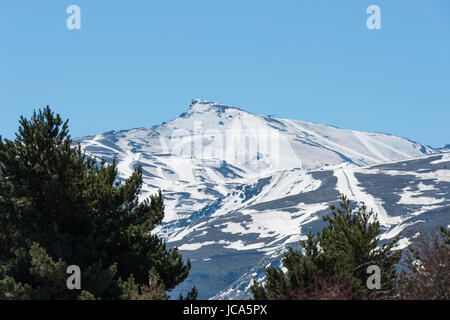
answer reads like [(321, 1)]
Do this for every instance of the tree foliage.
[(427, 274), (60, 207), (333, 262)]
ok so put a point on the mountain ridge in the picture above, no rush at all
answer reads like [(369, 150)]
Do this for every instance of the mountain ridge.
[(239, 188), (197, 101)]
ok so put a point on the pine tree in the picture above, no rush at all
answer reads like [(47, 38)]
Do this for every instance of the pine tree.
[(191, 295), (60, 207), (334, 261)]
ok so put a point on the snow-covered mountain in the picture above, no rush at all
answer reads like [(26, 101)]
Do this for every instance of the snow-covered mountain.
[(240, 187), (445, 148)]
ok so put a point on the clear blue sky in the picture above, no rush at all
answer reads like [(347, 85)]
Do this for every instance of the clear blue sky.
[(139, 63)]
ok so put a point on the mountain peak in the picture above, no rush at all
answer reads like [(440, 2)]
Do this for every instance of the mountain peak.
[(201, 101), (201, 106)]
